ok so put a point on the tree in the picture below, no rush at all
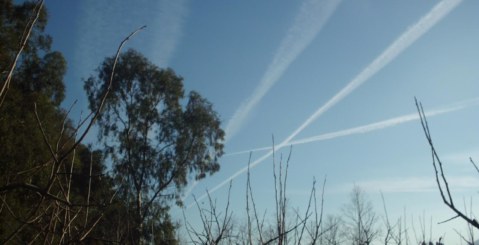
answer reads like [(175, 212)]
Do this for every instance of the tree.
[(37, 79), (360, 218), (331, 232), (36, 86), (53, 189), (23, 41), (154, 142)]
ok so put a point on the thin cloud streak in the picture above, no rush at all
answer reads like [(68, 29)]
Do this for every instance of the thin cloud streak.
[(103, 23), (373, 126), (233, 176), (439, 11), (166, 38), (312, 16), (396, 48), (188, 192), (411, 185), (381, 125)]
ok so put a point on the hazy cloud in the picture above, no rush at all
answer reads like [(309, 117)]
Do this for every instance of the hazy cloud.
[(411, 184), (168, 30), (103, 24)]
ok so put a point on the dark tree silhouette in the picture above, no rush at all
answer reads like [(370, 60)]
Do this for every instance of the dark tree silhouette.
[(153, 141)]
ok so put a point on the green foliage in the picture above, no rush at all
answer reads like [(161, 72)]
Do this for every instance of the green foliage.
[(13, 21), (154, 143), (146, 131), (30, 174), (38, 80)]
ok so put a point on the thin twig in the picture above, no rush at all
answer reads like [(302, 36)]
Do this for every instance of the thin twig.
[(89, 191), (100, 107), (474, 164), (26, 35)]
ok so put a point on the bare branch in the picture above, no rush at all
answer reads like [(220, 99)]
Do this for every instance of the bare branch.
[(26, 35), (440, 175), (474, 164), (100, 107)]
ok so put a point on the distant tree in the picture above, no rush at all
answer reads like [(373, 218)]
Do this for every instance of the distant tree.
[(153, 141), (331, 233), (360, 218)]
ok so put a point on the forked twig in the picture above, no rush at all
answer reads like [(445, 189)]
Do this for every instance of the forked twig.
[(439, 172)]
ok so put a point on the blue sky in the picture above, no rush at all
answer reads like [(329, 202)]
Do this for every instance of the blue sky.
[(339, 77)]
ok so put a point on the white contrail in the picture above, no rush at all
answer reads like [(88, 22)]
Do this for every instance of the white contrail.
[(439, 11), (384, 124), (312, 16), (233, 176), (397, 47), (372, 126), (189, 190), (248, 151), (168, 30)]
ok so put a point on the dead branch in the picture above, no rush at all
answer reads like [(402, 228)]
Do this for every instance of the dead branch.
[(441, 179), (26, 35), (215, 228)]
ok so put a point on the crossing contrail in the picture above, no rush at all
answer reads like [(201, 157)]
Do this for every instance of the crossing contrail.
[(438, 12), (351, 131), (372, 126), (396, 48), (312, 16)]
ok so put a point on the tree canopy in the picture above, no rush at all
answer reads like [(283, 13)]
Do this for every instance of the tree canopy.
[(53, 189), (153, 139)]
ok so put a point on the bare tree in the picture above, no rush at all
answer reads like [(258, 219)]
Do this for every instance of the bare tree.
[(360, 218), (217, 227), (395, 232), (332, 232), (285, 229), (255, 219)]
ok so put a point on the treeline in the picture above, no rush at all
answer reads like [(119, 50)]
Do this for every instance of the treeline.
[(357, 223), (54, 189)]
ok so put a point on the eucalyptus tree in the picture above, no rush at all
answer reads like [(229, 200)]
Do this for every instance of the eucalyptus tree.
[(154, 140)]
